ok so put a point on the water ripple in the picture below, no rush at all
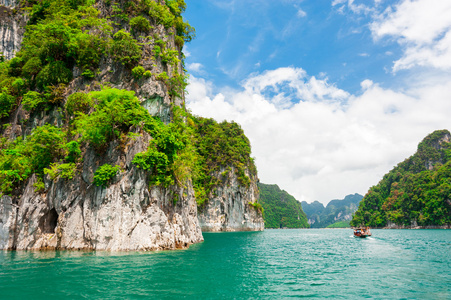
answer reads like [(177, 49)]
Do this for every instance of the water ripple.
[(274, 264)]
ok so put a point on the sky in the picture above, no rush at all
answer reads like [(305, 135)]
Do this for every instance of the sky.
[(332, 94)]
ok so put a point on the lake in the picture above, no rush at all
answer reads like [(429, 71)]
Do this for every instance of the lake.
[(273, 264)]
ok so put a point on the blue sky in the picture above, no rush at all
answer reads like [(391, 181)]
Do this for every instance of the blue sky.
[(236, 38), (332, 94)]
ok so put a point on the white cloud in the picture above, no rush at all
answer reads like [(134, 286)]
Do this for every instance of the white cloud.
[(422, 28), (194, 67), (320, 142), (287, 85), (366, 84), (186, 51), (301, 13), (357, 8), (317, 141), (337, 2)]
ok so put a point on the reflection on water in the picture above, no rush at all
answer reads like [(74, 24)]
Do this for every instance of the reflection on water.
[(392, 264)]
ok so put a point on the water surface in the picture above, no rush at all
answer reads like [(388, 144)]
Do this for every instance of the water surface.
[(274, 264)]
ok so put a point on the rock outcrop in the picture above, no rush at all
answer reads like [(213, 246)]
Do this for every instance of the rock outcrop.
[(76, 214), (12, 28), (230, 207), (129, 213)]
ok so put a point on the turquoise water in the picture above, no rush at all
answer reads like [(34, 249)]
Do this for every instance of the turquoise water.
[(274, 264)]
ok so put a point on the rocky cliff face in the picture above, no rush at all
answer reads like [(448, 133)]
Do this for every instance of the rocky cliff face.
[(230, 209), (76, 214), (12, 27), (130, 213)]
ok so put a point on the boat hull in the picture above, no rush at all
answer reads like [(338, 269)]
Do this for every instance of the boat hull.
[(361, 235), (362, 232)]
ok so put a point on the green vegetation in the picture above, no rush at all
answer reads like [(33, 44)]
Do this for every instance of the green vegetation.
[(161, 14), (43, 145), (32, 100), (57, 170), (20, 158), (15, 165), (220, 146), (78, 103), (163, 76), (7, 103), (162, 158), (176, 83), (66, 38), (281, 210), (53, 74), (125, 48), (140, 24), (138, 72), (104, 174), (257, 206), (60, 35), (171, 15), (416, 191), (73, 152), (114, 113)]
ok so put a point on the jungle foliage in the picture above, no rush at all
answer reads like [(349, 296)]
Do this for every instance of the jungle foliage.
[(22, 157), (71, 39), (221, 148), (64, 34), (416, 191), (281, 210), (104, 174)]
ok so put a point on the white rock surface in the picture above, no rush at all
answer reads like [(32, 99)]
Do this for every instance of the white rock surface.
[(11, 29), (127, 215), (79, 215), (228, 209)]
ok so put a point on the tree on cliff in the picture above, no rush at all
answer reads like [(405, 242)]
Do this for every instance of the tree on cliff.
[(280, 208), (416, 191), (93, 105)]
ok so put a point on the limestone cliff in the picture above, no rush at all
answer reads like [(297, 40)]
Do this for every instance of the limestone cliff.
[(12, 28), (128, 214), (228, 193), (231, 206), (76, 214), (49, 197)]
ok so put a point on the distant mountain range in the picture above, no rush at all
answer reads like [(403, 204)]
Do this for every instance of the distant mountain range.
[(337, 213), (281, 210)]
